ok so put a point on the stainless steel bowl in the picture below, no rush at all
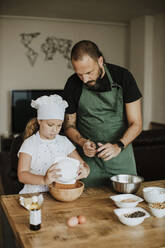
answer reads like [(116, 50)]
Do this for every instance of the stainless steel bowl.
[(126, 183)]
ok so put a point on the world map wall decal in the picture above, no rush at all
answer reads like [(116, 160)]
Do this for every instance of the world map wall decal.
[(26, 40), (50, 47)]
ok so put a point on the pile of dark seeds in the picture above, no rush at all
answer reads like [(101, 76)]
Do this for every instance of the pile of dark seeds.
[(135, 214)]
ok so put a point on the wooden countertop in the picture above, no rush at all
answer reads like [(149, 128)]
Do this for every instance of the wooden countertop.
[(102, 228)]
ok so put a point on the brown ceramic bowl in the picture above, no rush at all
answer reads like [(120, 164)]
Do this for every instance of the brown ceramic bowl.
[(66, 193)]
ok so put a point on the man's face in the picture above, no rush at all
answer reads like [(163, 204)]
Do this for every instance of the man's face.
[(89, 71)]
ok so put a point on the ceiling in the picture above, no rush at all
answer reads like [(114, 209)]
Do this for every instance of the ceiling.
[(93, 10)]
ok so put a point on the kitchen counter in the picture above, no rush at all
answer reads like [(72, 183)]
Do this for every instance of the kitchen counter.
[(102, 228)]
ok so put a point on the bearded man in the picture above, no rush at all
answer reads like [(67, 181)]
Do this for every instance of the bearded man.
[(104, 114)]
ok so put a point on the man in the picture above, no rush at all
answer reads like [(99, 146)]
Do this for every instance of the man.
[(104, 114)]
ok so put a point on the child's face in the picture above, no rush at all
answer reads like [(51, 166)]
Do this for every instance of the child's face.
[(49, 128)]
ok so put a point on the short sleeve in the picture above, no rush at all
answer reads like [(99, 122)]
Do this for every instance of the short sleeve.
[(68, 146), (27, 147), (72, 93), (130, 88)]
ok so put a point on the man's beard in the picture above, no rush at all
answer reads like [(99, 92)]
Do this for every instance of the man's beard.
[(97, 84)]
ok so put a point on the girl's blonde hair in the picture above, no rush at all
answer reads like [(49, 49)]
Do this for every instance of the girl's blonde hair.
[(31, 128)]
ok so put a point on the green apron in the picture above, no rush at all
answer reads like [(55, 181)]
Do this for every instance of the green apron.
[(101, 118)]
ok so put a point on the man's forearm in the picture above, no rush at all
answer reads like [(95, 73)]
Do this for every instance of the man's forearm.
[(74, 135), (71, 130), (131, 133), (134, 118)]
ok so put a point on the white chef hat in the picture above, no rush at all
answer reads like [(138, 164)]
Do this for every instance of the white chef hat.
[(50, 107)]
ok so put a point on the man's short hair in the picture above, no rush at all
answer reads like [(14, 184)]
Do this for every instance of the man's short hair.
[(85, 47)]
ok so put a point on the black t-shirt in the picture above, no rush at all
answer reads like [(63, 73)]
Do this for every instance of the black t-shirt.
[(120, 75)]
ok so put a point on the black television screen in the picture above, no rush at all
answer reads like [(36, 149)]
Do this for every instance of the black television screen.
[(22, 111)]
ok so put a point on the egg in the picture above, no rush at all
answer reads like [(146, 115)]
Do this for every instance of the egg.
[(73, 221), (81, 219)]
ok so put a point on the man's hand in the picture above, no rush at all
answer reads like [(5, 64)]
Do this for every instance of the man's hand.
[(89, 148), (108, 151)]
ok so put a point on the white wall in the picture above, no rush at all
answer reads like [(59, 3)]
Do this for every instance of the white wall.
[(158, 94), (137, 31), (147, 62), (16, 71), (141, 61)]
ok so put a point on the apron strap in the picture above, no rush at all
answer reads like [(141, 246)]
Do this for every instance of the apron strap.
[(112, 83), (109, 75)]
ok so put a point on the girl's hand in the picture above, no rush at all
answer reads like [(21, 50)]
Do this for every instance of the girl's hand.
[(89, 149), (51, 174), (83, 171)]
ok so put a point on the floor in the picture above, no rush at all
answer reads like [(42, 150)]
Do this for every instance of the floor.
[(1, 237), (7, 239)]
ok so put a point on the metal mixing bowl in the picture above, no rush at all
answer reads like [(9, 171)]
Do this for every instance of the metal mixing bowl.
[(126, 183)]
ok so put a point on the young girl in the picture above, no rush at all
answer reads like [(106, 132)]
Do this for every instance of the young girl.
[(43, 144)]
